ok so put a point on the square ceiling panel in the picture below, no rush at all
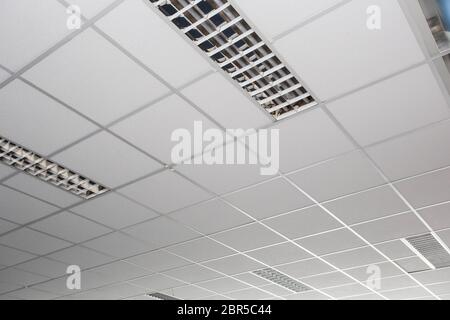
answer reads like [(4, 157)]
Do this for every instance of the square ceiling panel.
[(423, 150), (350, 173), (280, 254), (315, 135), (375, 54), (437, 217), (158, 261), (368, 205), (152, 128), (150, 39), (305, 268), (41, 26), (193, 273), (114, 211), (39, 189), (269, 199), (284, 14), (370, 120), (395, 249), (40, 118), (211, 217), (107, 159), (5, 171), (10, 256), (354, 258), (45, 267), (234, 265), (90, 8), (303, 223), (157, 282), (83, 257), (6, 226), (347, 291), (387, 269), (165, 192), (223, 285), (229, 105), (3, 75), (85, 66), (20, 208), (200, 250), (250, 294)]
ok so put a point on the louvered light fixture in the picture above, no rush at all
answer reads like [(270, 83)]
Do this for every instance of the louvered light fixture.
[(218, 29), (430, 249), (32, 163), (282, 280)]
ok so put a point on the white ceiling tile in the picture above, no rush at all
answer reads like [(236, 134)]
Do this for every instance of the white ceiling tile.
[(158, 261), (168, 191), (6, 226), (269, 199), (119, 245), (276, 290), (10, 256), (234, 265), (310, 138), (354, 258), (157, 282), (440, 289), (82, 257), (107, 160), (90, 66), (5, 171), (433, 276), (211, 217), (284, 14), (376, 53), (414, 153), (279, 254), (28, 29), (252, 279), (119, 291), (193, 273), (305, 268), (426, 190), (39, 189), (413, 264), (312, 295), (303, 223), (248, 237), (391, 228), (114, 211), (397, 283), (200, 250), (331, 242), (407, 293), (189, 293), (90, 8), (395, 249), (347, 291), (250, 294), (369, 205), (116, 272), (70, 227), (386, 109), (150, 39), (41, 116), (223, 285), (223, 178), (45, 267), (331, 179), (365, 297), (3, 75), (445, 236), (162, 232), (21, 208), (6, 287), (437, 217), (152, 128), (227, 104), (57, 287), (32, 241), (32, 294), (363, 274)]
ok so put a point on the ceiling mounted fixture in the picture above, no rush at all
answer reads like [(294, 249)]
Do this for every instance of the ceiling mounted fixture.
[(161, 296), (282, 280), (430, 249), (32, 163), (218, 29)]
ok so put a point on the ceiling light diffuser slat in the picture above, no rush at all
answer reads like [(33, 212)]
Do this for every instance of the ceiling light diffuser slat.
[(218, 29), (282, 280), (36, 165)]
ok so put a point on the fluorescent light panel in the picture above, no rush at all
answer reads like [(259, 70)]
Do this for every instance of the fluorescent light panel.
[(36, 165), (282, 280), (161, 296), (430, 249), (222, 33)]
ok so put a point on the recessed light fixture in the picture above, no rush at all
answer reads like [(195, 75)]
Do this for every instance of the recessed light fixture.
[(430, 249), (161, 296), (282, 280), (218, 29), (32, 163)]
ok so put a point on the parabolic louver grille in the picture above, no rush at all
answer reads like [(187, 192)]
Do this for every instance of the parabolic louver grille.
[(32, 163), (431, 249), (282, 280), (224, 35), (161, 296)]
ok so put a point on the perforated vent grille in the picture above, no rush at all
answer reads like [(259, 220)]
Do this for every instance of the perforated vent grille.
[(219, 30), (431, 249), (282, 280), (25, 160), (161, 296)]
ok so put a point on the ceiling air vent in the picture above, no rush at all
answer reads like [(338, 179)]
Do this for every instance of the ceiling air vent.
[(161, 296), (282, 280), (430, 249), (32, 163), (222, 33)]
